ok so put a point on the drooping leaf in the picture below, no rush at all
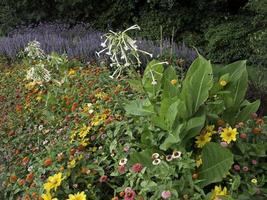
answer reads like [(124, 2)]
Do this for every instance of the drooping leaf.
[(217, 162)]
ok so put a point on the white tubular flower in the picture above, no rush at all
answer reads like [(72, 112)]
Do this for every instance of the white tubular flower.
[(122, 50)]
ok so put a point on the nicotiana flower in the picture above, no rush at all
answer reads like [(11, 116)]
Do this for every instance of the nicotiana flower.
[(176, 154), (122, 50)]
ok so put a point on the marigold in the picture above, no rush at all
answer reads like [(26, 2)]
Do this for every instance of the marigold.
[(229, 134), (77, 196)]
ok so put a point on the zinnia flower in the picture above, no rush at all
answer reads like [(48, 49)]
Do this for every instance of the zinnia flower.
[(166, 194), (137, 167), (77, 196), (129, 194)]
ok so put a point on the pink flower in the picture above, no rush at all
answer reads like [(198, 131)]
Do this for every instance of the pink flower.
[(245, 169), (103, 179), (237, 167), (129, 194), (224, 144), (137, 167), (254, 162), (122, 169), (166, 194)]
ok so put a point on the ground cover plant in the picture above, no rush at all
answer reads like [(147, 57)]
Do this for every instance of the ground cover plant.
[(69, 131)]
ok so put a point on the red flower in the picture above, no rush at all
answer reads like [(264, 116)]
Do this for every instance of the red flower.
[(122, 169), (74, 106), (103, 179), (137, 167)]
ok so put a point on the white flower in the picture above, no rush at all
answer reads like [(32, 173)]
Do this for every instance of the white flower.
[(123, 161), (103, 44), (154, 82), (176, 154), (169, 158), (91, 111), (40, 127), (155, 156), (156, 161), (45, 142), (30, 168)]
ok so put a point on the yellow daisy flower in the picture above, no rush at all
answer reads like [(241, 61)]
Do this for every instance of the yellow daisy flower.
[(48, 196), (203, 139), (71, 72), (229, 134), (218, 191), (77, 196), (53, 182)]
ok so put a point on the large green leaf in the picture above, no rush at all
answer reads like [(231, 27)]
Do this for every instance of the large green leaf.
[(234, 69), (245, 113), (196, 86), (169, 90), (139, 107), (172, 138), (217, 162)]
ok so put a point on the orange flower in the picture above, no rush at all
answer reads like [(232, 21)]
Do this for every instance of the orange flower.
[(48, 162), (35, 195), (74, 106), (30, 177), (25, 160), (21, 182), (13, 178)]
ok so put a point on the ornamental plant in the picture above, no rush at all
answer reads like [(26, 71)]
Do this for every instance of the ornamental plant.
[(122, 50), (182, 110)]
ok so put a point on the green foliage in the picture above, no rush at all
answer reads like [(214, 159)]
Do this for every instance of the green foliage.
[(217, 162)]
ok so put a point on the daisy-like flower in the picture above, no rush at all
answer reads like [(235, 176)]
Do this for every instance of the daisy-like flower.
[(48, 196), (156, 161), (203, 139), (218, 192), (169, 158), (53, 182), (123, 161), (155, 156), (229, 134), (77, 196), (176, 154)]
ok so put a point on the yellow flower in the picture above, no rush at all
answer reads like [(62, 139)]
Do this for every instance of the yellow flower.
[(255, 181), (203, 139), (30, 85), (199, 162), (48, 197), (72, 163), (77, 196), (39, 98), (100, 95), (173, 81), (84, 131), (218, 192), (84, 142), (210, 128), (71, 72), (53, 182), (223, 83), (229, 134)]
